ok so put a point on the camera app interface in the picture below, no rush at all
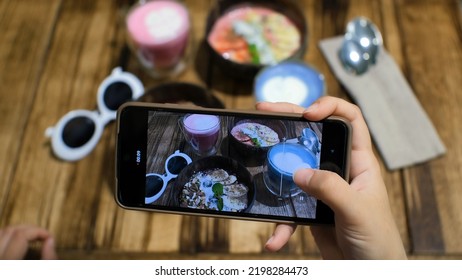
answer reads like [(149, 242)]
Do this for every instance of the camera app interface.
[(230, 163)]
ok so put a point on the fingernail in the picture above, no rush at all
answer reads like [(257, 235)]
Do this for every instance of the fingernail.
[(270, 240), (313, 107), (257, 104), (303, 175)]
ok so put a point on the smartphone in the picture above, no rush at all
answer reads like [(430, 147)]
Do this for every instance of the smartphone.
[(225, 163)]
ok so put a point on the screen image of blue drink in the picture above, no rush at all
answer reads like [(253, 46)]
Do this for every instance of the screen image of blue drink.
[(282, 161)]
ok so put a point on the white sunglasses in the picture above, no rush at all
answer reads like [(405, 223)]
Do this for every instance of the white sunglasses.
[(157, 183), (77, 133)]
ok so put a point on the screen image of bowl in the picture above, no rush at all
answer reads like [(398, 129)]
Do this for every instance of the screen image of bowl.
[(209, 180), (244, 36), (289, 81), (282, 161), (252, 138)]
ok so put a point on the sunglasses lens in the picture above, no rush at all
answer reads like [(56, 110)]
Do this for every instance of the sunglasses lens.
[(117, 94), (176, 164), (78, 131), (154, 185)]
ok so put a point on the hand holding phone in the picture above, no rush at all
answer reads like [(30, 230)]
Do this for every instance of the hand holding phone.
[(225, 163), (364, 226)]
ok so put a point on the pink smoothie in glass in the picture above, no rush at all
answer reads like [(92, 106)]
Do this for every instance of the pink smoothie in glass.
[(202, 131), (159, 32)]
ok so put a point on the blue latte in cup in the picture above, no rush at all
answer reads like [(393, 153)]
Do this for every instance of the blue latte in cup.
[(283, 160)]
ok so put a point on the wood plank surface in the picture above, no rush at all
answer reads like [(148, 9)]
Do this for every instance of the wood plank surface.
[(432, 189), (26, 34), (55, 54)]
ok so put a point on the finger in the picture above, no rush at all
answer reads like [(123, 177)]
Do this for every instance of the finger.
[(279, 107), (17, 240), (5, 237), (328, 187), (280, 237), (48, 250), (24, 233), (326, 241), (362, 155), (331, 106), (30, 233), (15, 248)]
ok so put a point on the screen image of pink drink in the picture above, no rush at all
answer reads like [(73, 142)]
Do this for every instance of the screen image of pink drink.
[(159, 30), (202, 131)]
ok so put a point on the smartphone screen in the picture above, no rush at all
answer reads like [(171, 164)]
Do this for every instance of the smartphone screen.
[(225, 163)]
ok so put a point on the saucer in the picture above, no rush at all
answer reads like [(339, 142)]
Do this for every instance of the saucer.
[(290, 81)]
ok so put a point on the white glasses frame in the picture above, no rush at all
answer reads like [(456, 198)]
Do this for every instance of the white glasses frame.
[(167, 176), (101, 117)]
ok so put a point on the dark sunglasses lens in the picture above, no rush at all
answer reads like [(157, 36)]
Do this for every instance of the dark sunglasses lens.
[(78, 131), (154, 185), (117, 94), (176, 164)]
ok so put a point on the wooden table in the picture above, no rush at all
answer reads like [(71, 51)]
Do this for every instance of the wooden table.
[(55, 53)]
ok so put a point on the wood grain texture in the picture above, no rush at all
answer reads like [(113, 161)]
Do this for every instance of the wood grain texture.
[(55, 53), (433, 64), (26, 34)]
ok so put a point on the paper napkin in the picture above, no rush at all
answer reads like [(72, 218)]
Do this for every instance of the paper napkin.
[(400, 128)]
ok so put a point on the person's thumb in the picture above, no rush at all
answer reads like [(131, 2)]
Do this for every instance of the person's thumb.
[(326, 186)]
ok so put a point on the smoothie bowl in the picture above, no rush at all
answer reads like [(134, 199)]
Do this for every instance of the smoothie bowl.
[(244, 36), (250, 139), (282, 161), (215, 183)]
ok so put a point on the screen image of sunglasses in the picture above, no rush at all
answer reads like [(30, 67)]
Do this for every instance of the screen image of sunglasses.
[(77, 133), (156, 183)]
